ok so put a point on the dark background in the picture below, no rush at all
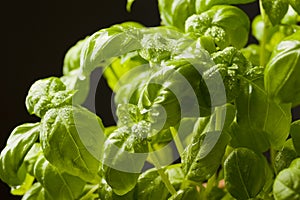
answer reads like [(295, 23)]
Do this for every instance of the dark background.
[(36, 36)]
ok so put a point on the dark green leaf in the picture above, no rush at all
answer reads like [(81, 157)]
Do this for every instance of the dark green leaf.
[(46, 94), (287, 182), (244, 173), (295, 133), (22, 138), (275, 9), (285, 156), (72, 139)]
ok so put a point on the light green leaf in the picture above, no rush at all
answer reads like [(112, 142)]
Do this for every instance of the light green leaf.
[(57, 184), (22, 138), (186, 194), (296, 5), (124, 156), (285, 65), (174, 13), (221, 23), (287, 182), (106, 44), (203, 5), (244, 173), (36, 192), (150, 185), (72, 139), (260, 119), (46, 94)]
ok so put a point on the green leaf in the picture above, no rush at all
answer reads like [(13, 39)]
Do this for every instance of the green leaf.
[(221, 23), (287, 182), (285, 65), (106, 44), (22, 138), (285, 156), (120, 67), (150, 185), (203, 5), (72, 139), (124, 156), (296, 5), (186, 194), (36, 192), (31, 157), (72, 57), (57, 184), (251, 53), (46, 94), (270, 128), (275, 9), (295, 134), (244, 173), (174, 13), (74, 83)]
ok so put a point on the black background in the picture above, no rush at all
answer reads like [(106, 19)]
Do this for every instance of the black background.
[(35, 37)]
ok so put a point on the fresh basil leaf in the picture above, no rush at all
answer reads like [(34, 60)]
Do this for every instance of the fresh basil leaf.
[(124, 156), (252, 53), (296, 5), (275, 9), (186, 194), (221, 24), (284, 64), (244, 173), (74, 83), (72, 57), (120, 67), (270, 128), (46, 94), (72, 139), (203, 5), (57, 184), (285, 156), (229, 64), (174, 13), (286, 185), (36, 192), (22, 138), (150, 185), (31, 157), (295, 134), (106, 44)]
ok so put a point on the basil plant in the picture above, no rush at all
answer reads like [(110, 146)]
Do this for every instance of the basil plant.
[(201, 113)]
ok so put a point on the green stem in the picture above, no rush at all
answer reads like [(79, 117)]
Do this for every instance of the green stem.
[(263, 43), (177, 141), (219, 115), (161, 172), (90, 193)]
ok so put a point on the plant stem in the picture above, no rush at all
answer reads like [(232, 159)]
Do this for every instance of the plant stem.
[(177, 141), (161, 172), (90, 193), (218, 122)]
